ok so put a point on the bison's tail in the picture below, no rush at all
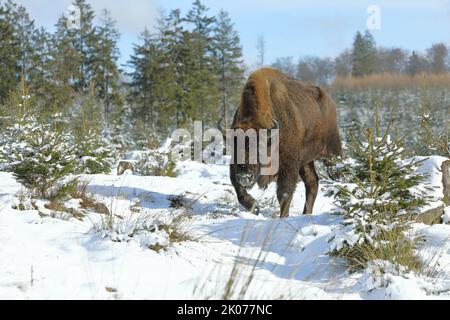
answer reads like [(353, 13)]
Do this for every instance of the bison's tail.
[(323, 99), (334, 146)]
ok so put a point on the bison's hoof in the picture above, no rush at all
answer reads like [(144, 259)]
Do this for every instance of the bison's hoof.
[(255, 209)]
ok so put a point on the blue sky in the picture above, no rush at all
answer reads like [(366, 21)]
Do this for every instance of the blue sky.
[(291, 28)]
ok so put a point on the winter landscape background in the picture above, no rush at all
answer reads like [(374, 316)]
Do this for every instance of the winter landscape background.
[(95, 205)]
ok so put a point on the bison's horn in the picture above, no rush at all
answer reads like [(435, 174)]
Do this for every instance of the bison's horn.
[(276, 124), (222, 128)]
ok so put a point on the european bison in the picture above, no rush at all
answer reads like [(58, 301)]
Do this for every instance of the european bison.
[(306, 118)]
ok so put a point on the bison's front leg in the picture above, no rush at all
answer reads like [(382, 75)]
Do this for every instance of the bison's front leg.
[(285, 191), (247, 200), (244, 198), (311, 180)]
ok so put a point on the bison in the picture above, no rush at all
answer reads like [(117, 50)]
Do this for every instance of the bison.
[(306, 117)]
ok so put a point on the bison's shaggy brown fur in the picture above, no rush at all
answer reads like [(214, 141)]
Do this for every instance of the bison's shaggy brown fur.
[(307, 131)]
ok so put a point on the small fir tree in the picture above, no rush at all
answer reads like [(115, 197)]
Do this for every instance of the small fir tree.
[(377, 206), (39, 157), (94, 151), (432, 141)]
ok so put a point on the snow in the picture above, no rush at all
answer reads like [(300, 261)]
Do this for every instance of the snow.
[(46, 257), (446, 216)]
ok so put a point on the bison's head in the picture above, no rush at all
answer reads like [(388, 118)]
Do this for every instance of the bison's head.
[(246, 156)]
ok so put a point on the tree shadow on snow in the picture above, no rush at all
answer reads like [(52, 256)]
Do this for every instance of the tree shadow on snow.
[(196, 203)]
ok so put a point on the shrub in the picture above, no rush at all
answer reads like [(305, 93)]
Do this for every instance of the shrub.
[(155, 163)]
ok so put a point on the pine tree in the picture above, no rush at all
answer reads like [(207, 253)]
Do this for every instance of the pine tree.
[(199, 41), (185, 71), (86, 55), (65, 63), (25, 30), (363, 54), (175, 41), (229, 64), (105, 54), (84, 41), (29, 54), (415, 64), (147, 80), (10, 68), (76, 48), (41, 82), (357, 55)]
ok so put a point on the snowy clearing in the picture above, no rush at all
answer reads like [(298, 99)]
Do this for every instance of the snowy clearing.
[(53, 256)]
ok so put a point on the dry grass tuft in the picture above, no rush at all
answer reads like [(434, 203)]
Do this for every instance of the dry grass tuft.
[(178, 229), (88, 202), (392, 245), (58, 206)]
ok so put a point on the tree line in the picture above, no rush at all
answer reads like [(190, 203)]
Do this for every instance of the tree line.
[(365, 58)]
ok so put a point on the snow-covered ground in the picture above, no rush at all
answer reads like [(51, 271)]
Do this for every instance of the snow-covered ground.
[(60, 257)]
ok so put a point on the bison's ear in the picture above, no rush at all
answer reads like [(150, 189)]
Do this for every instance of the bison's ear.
[(222, 129)]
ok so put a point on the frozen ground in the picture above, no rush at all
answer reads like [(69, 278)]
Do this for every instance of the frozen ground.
[(52, 256)]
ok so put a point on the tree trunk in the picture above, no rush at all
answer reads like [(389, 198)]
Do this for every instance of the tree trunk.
[(446, 181), (433, 216), (430, 217)]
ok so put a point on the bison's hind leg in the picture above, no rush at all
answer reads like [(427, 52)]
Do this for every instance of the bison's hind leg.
[(311, 180)]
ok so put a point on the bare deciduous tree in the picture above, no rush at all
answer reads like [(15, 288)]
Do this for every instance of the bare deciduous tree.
[(261, 48), (437, 56)]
